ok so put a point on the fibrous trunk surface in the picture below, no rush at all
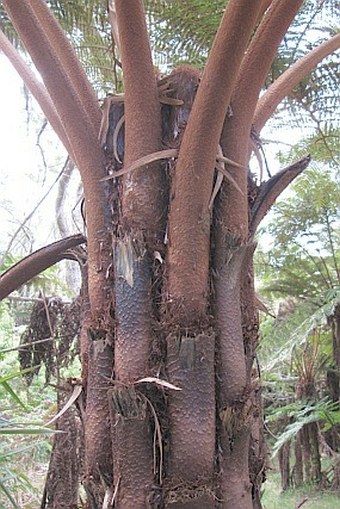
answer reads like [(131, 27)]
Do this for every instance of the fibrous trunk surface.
[(171, 406), (186, 448)]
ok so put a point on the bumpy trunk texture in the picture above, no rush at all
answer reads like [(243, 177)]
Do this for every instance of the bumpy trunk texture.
[(132, 437), (171, 406), (61, 487), (190, 364), (163, 441)]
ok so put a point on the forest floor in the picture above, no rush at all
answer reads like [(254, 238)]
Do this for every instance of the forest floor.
[(33, 470), (273, 498)]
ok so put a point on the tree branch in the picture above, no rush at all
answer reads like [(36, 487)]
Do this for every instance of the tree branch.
[(142, 196), (50, 64), (70, 61), (236, 131), (141, 221), (189, 218), (52, 61), (289, 79), (272, 189), (259, 57), (37, 262)]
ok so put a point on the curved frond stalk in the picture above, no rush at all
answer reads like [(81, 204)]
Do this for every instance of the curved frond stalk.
[(50, 64), (272, 189), (252, 75), (37, 262), (141, 225), (142, 195), (189, 219), (289, 79), (36, 88), (70, 62), (260, 55), (86, 149)]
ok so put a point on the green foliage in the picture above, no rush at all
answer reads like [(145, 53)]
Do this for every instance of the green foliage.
[(301, 270), (305, 259), (6, 386), (12, 476), (7, 261), (7, 427), (314, 99), (13, 394), (23, 410), (183, 31), (323, 411), (281, 338), (48, 282), (6, 323), (13, 471), (323, 145), (20, 424)]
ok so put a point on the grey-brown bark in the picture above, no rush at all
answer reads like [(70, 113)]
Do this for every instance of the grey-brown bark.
[(62, 481), (298, 467), (190, 364), (132, 436), (140, 228), (284, 462)]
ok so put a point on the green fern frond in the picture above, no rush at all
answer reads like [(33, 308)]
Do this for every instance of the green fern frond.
[(304, 412)]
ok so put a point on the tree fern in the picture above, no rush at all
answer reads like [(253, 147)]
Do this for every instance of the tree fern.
[(302, 413)]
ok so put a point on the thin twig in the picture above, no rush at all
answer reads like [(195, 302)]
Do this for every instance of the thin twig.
[(300, 504), (47, 311), (23, 346), (30, 215), (40, 133), (317, 122)]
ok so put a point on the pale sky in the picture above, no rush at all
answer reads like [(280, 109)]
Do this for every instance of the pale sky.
[(23, 180)]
